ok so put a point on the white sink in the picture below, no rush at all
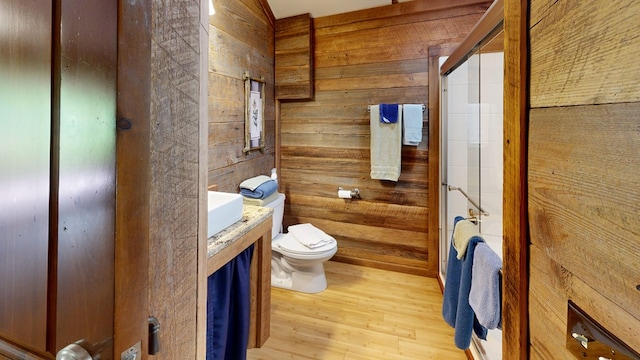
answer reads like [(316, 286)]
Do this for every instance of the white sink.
[(224, 209)]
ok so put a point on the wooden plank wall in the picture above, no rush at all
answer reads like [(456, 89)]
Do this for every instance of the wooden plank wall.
[(294, 58), (583, 184), (367, 57), (241, 38), (175, 170)]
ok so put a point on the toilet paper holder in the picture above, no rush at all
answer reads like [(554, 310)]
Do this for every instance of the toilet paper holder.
[(348, 194)]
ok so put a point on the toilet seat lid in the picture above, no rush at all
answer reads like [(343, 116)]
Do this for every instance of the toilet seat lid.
[(290, 244)]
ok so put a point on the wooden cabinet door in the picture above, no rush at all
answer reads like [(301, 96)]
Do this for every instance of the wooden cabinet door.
[(57, 176)]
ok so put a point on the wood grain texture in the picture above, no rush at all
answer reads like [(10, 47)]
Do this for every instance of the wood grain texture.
[(584, 195), (241, 38), (364, 314), (175, 169), (515, 336), (554, 286), (584, 53), (374, 56), (133, 176), (583, 189), (294, 58)]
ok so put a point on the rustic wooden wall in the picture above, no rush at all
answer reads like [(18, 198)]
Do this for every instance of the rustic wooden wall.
[(294, 58), (175, 156), (584, 189), (241, 38), (367, 57)]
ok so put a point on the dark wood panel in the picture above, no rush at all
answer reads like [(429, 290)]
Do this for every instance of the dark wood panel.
[(86, 176), (25, 144), (584, 197)]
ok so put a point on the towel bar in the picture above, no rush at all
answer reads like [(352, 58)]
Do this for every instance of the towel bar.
[(482, 212), (369, 108)]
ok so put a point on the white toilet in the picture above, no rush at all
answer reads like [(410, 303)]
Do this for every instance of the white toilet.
[(293, 265)]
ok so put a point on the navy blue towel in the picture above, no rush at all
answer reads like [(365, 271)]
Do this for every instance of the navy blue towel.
[(229, 308), (388, 113), (456, 310), (264, 190)]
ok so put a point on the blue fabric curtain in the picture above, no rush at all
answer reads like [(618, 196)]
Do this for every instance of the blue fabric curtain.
[(229, 308)]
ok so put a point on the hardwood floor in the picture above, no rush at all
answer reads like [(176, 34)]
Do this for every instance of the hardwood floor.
[(364, 314)]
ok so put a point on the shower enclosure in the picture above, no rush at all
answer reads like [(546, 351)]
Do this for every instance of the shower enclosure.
[(471, 151)]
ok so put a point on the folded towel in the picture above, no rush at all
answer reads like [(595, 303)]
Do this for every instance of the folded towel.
[(260, 202), (262, 191), (462, 233), (485, 295), (386, 147), (254, 182), (310, 236), (456, 310), (412, 121), (389, 113)]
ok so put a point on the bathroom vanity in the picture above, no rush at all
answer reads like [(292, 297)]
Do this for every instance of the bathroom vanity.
[(253, 228)]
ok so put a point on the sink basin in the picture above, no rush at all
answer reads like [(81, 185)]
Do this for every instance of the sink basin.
[(224, 209)]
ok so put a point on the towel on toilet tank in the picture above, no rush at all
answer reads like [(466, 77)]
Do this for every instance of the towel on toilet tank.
[(259, 187), (310, 236)]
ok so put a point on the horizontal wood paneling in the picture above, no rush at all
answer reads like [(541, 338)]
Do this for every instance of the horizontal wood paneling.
[(374, 56), (585, 53), (584, 193), (294, 58), (241, 37), (554, 285)]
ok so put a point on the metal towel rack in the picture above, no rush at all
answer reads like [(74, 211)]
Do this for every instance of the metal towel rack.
[(454, 188), (369, 108)]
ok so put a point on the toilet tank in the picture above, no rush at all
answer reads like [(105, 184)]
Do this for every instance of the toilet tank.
[(278, 214)]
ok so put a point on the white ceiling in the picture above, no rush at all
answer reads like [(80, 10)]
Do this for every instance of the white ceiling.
[(317, 8)]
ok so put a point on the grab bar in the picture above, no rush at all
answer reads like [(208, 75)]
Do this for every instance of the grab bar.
[(454, 188)]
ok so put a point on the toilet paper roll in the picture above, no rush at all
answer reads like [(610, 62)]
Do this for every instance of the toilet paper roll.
[(344, 194)]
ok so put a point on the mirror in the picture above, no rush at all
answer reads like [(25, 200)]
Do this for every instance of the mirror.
[(254, 113)]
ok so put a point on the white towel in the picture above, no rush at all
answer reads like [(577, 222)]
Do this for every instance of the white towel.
[(412, 120), (462, 233), (310, 236), (386, 146), (254, 182)]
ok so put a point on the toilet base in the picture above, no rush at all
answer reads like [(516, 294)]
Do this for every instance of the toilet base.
[(309, 280)]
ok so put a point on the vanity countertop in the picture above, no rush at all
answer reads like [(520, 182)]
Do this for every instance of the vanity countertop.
[(252, 216)]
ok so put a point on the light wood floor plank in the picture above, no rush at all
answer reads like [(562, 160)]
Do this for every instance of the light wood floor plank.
[(364, 314)]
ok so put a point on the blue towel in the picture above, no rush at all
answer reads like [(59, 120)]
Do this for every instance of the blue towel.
[(456, 310), (264, 190), (485, 294), (389, 113)]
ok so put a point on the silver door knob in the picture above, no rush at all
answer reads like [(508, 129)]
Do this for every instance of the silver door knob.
[(73, 352)]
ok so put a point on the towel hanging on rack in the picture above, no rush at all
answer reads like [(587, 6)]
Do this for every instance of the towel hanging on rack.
[(385, 147)]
